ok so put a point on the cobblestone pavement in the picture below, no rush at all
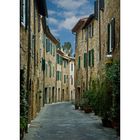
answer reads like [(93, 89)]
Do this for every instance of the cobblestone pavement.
[(61, 121)]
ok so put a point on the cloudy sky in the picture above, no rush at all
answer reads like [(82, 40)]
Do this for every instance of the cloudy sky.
[(64, 14)]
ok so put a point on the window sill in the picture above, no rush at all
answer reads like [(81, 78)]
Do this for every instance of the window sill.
[(109, 55)]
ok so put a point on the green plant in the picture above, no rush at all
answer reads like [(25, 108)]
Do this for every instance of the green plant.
[(23, 104)]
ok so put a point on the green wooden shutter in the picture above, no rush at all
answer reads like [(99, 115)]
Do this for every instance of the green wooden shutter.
[(89, 58), (85, 60), (92, 57), (113, 33), (108, 41), (79, 62)]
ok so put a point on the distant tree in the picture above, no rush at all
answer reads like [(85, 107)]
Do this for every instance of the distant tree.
[(67, 48)]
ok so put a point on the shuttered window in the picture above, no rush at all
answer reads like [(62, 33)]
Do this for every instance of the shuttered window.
[(113, 33), (89, 58), (101, 4), (23, 12), (111, 36), (64, 78), (85, 60), (50, 71), (47, 45), (79, 62), (46, 69), (96, 9), (92, 51), (43, 64), (57, 58)]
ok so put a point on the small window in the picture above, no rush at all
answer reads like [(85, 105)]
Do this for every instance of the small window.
[(101, 4), (79, 62), (111, 37), (23, 12), (71, 67)]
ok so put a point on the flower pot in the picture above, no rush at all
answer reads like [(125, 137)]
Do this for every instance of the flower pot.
[(88, 110), (106, 123), (76, 107)]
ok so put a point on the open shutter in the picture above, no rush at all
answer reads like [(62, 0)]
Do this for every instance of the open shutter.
[(92, 57), (26, 13), (89, 58), (113, 33), (96, 9), (79, 62), (108, 40), (43, 64), (85, 60), (101, 4)]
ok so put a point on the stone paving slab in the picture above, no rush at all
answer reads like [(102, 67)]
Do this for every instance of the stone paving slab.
[(61, 121)]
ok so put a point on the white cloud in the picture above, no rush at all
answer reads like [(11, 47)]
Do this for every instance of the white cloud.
[(69, 4), (55, 32), (68, 23), (53, 21), (51, 12)]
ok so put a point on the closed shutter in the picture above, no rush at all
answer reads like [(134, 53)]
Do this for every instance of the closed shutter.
[(113, 33), (101, 4), (92, 57), (108, 40), (96, 9)]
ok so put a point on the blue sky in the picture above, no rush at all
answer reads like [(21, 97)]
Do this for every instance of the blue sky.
[(64, 14)]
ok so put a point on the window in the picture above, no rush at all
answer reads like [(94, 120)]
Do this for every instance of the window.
[(50, 71), (92, 51), (92, 29), (85, 60), (64, 78), (53, 71), (111, 37), (46, 70), (65, 63), (53, 50), (47, 45), (101, 4), (79, 62), (89, 30), (23, 12), (43, 64), (71, 80), (71, 67), (96, 9)]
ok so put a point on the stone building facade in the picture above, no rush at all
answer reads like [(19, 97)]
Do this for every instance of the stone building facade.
[(71, 80), (65, 77), (32, 14), (97, 43)]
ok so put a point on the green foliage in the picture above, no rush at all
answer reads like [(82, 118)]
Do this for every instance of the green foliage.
[(67, 48), (104, 96), (23, 101)]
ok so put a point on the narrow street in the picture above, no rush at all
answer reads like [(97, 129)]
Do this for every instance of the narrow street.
[(61, 121)]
